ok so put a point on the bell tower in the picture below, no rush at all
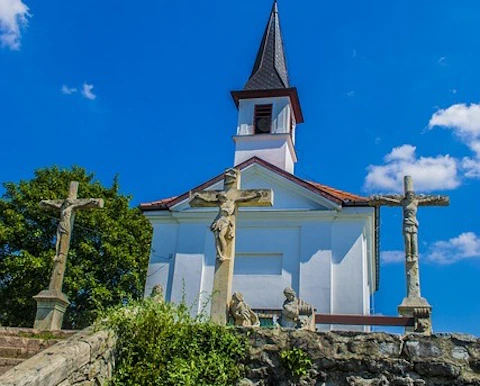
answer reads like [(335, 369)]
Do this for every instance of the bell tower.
[(268, 108)]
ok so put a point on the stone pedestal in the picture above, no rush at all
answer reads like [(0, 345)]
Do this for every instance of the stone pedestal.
[(421, 310), (51, 306)]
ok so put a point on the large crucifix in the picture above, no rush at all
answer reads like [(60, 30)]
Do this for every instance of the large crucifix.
[(67, 210), (410, 203), (224, 229), (51, 303)]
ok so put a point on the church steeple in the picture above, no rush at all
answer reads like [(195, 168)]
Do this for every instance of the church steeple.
[(268, 107), (270, 68)]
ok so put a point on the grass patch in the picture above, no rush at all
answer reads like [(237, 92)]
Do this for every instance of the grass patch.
[(44, 335), (296, 361)]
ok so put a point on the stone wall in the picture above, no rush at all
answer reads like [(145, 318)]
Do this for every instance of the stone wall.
[(357, 359), (85, 359), (338, 358)]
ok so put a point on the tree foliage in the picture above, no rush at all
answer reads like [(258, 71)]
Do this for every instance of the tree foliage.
[(108, 255)]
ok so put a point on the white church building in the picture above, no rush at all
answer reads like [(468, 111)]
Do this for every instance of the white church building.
[(319, 240)]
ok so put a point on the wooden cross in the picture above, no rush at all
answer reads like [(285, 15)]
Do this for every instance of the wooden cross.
[(67, 208), (410, 203), (224, 228)]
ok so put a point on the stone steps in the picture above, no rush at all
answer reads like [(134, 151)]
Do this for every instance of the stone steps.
[(19, 344), (8, 363)]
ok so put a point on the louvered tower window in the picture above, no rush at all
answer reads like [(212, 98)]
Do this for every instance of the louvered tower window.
[(263, 119)]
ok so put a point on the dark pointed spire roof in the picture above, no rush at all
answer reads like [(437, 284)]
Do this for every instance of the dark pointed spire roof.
[(270, 68)]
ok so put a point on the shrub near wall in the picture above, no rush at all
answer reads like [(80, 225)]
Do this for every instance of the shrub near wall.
[(160, 344)]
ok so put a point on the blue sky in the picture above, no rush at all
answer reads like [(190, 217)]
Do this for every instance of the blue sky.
[(142, 90)]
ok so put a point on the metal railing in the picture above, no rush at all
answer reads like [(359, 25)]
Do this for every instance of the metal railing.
[(271, 315)]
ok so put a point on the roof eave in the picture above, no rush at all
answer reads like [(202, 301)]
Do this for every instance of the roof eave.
[(272, 93)]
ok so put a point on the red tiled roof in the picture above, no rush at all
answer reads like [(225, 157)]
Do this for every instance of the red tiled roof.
[(338, 196), (346, 197), (157, 205)]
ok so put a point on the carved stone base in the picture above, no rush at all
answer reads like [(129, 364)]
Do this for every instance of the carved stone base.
[(51, 306), (421, 310), (307, 322)]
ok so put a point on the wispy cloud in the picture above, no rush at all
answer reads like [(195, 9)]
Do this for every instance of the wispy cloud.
[(87, 91), (68, 90), (13, 17), (464, 121), (442, 61), (464, 246), (351, 93), (429, 173), (392, 257)]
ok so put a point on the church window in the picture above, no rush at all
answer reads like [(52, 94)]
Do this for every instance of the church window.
[(263, 119)]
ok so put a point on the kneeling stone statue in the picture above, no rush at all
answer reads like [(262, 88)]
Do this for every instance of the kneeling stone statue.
[(157, 294), (242, 313), (296, 313)]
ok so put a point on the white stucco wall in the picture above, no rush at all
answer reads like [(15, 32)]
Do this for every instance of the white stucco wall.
[(321, 252), (322, 258), (276, 149)]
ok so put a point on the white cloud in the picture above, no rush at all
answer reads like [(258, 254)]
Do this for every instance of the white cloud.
[(392, 257), (471, 167), (13, 17), (442, 61), (464, 121), (464, 246), (351, 93), (68, 90), (401, 153), (428, 173), (87, 91)]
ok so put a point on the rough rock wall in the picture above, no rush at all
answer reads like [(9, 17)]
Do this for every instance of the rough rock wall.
[(85, 359), (357, 359), (338, 358)]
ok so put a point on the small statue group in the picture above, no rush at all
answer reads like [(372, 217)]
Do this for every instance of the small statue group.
[(295, 312), (242, 313)]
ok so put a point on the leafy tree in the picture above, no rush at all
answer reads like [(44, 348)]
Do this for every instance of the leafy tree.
[(108, 255)]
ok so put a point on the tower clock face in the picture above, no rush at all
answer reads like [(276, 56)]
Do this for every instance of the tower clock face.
[(263, 125)]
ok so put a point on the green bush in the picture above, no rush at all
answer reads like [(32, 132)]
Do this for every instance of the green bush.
[(161, 344), (296, 361)]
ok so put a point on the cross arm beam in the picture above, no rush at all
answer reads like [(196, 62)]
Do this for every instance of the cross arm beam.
[(433, 200), (51, 204), (388, 200), (207, 198), (88, 203), (255, 197)]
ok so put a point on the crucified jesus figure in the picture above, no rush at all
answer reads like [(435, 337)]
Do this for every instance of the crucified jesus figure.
[(224, 229), (67, 209), (410, 203), (223, 225)]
